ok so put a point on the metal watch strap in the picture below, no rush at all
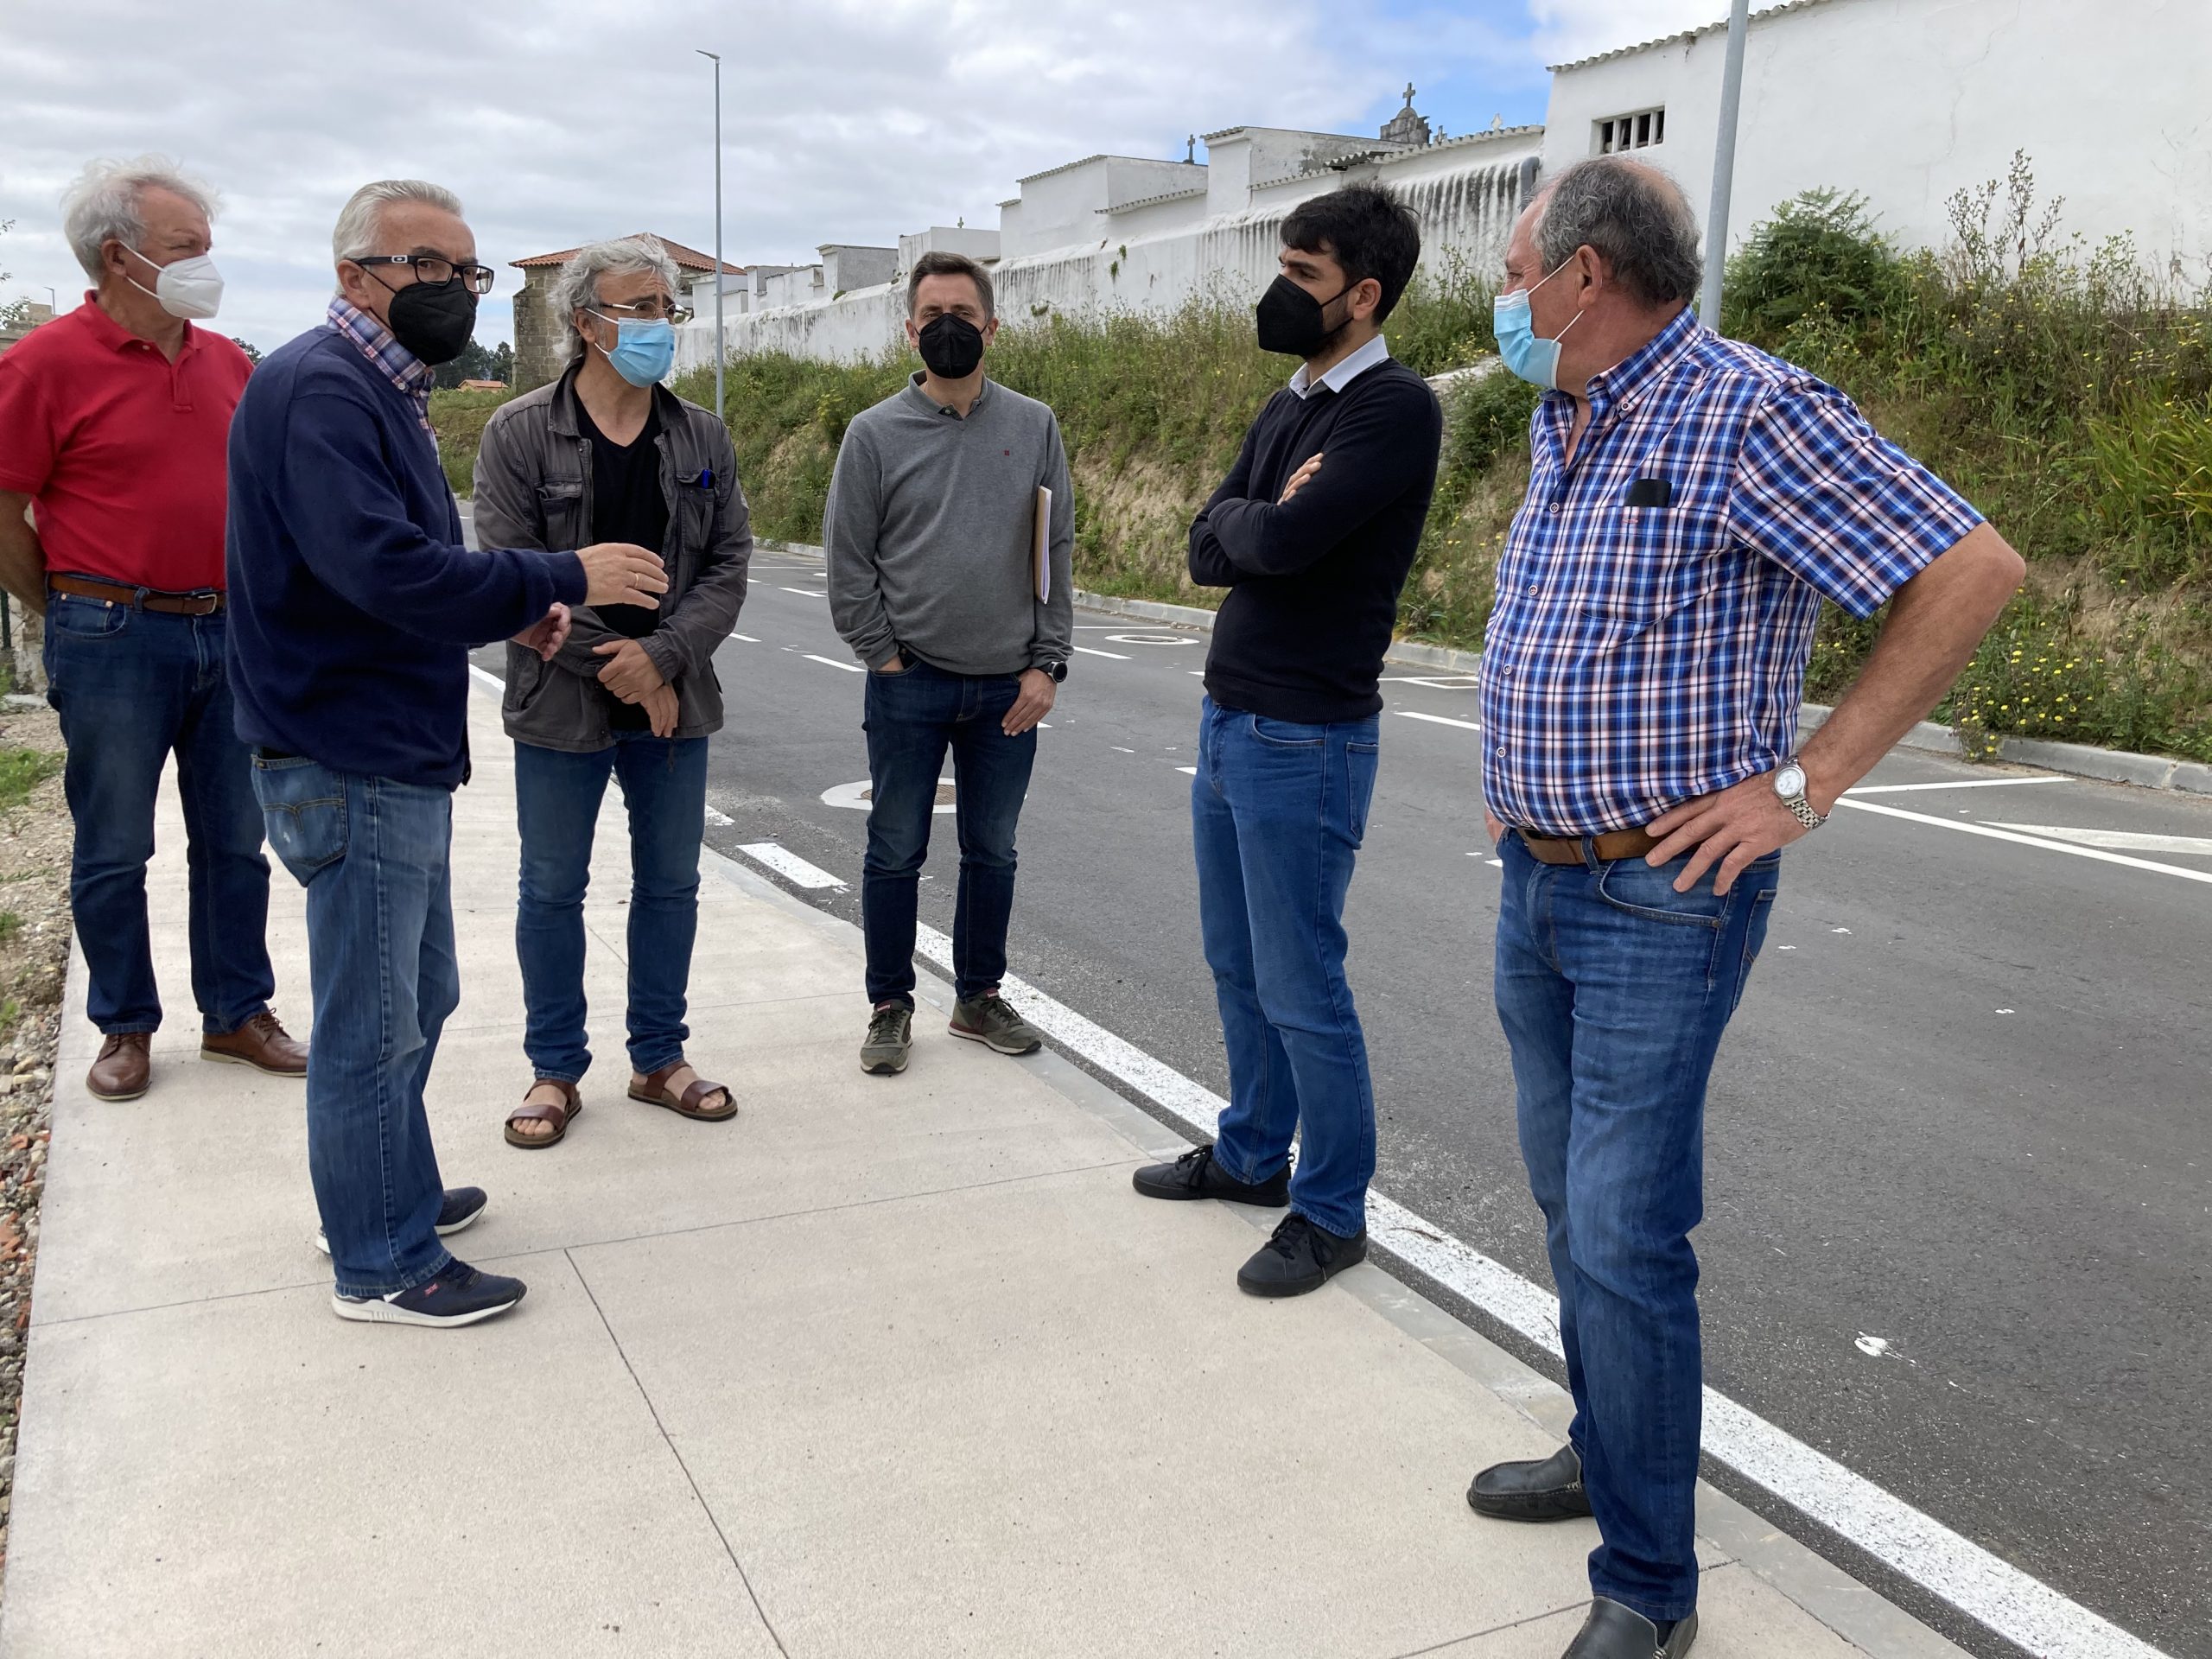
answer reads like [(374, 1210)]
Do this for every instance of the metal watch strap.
[(1803, 809)]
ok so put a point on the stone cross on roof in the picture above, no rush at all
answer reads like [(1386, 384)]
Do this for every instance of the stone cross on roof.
[(1407, 127)]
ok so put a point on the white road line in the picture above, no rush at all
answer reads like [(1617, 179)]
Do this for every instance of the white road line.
[(748, 638), (805, 593), (492, 680), (2118, 840), (1087, 651), (718, 818), (831, 661), (1958, 783), (790, 866), (2022, 1610), (2098, 853), (1188, 772), (1437, 719)]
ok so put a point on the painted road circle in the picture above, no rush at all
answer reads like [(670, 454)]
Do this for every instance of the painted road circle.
[(1150, 638), (861, 797)]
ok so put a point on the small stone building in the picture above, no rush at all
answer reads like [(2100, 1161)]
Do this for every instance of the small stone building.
[(541, 338)]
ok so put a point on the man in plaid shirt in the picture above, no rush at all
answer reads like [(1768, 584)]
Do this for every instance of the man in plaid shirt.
[(1691, 503)]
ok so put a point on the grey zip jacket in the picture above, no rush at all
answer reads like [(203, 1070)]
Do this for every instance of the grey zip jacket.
[(533, 490)]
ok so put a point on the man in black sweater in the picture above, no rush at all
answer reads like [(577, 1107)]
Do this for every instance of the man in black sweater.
[(1313, 533)]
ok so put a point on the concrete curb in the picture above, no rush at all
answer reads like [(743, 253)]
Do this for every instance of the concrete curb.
[(2077, 759)]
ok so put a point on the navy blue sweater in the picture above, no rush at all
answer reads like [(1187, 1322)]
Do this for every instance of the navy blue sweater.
[(1313, 585), (354, 601)]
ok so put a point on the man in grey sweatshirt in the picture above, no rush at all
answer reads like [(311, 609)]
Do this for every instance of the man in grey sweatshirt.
[(931, 531)]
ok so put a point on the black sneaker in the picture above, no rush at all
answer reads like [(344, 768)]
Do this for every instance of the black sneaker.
[(1195, 1175), (1301, 1256), (463, 1207), (460, 1295), (890, 1040)]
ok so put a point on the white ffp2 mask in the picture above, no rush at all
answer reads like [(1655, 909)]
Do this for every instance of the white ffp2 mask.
[(191, 289)]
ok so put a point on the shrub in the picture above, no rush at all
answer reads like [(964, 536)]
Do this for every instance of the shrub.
[(1820, 251)]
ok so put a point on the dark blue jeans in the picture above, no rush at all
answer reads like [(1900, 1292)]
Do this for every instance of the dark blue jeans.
[(132, 686), (557, 795), (1277, 814), (912, 717), (376, 859), (1614, 990)]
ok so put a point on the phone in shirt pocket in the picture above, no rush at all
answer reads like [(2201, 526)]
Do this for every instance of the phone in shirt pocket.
[(1655, 549)]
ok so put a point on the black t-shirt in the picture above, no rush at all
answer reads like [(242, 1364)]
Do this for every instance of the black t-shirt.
[(627, 506)]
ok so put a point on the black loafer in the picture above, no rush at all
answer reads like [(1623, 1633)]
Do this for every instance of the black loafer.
[(1195, 1175), (1613, 1632), (1301, 1256), (1548, 1489)]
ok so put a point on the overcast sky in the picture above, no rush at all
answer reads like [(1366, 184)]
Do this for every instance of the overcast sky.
[(558, 121)]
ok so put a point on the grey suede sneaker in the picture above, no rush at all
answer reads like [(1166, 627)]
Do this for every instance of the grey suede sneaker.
[(988, 1019), (890, 1040)]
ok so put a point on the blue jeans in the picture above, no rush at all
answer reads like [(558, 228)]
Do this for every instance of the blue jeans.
[(132, 686), (1614, 989), (557, 806), (1277, 814), (912, 717), (375, 857)]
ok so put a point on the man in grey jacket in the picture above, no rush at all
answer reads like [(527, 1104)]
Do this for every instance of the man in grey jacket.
[(935, 519), (607, 452)]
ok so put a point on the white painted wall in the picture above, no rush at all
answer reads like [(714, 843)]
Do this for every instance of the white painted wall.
[(1910, 100)]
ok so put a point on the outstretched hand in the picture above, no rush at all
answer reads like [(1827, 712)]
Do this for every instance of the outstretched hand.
[(547, 635)]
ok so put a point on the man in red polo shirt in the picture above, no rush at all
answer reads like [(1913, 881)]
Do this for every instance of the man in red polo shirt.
[(113, 425)]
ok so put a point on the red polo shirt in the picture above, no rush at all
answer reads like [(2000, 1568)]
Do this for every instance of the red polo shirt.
[(121, 450)]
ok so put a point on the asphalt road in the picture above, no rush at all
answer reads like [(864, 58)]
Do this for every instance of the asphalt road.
[(1961, 1114)]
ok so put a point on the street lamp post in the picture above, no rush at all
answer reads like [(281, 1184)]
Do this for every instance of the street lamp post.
[(722, 349), (1724, 166)]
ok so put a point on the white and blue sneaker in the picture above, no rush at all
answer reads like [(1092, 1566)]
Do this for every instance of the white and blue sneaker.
[(460, 1295)]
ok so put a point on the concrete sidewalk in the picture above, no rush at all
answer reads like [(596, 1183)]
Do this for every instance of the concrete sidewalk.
[(883, 1367)]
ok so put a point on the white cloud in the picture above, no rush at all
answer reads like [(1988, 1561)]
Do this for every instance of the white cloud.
[(561, 120)]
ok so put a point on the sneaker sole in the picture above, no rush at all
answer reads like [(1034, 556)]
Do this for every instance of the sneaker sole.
[(379, 1312), (1280, 1291), (222, 1059), (884, 1068), (993, 1043), (323, 1244), (1258, 1199)]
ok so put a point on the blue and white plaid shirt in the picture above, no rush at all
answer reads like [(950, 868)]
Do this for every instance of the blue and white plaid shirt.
[(1641, 655), (377, 343)]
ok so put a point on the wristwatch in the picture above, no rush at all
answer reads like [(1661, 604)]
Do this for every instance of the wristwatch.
[(1789, 784), (1054, 670)]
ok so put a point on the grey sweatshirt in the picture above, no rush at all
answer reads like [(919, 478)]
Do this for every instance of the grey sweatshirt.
[(929, 528)]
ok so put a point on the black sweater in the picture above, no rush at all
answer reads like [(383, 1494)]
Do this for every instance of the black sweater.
[(1313, 584)]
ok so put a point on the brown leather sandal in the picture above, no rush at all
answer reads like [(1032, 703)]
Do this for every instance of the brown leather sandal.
[(690, 1104), (560, 1115)]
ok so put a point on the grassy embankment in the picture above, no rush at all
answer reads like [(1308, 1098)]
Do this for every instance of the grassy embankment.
[(2064, 393)]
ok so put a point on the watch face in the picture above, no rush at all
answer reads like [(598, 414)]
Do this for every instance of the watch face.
[(1789, 781)]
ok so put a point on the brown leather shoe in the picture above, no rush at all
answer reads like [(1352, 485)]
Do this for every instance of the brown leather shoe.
[(125, 1067), (262, 1044)]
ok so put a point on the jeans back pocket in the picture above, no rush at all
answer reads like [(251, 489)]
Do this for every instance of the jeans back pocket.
[(302, 813)]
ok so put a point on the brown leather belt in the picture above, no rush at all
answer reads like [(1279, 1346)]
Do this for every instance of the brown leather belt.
[(1568, 849), (148, 599)]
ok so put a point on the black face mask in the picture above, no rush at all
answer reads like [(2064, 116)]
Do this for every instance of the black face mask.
[(434, 320), (1291, 320), (952, 347)]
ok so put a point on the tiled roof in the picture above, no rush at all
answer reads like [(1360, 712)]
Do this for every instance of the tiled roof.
[(1406, 152), (1146, 202), (1686, 35), (686, 258)]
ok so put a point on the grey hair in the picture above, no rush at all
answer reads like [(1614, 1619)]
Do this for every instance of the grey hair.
[(102, 204), (357, 229), (1636, 219), (576, 288)]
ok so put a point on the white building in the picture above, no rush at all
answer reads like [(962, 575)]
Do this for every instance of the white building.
[(1904, 101), (1907, 101)]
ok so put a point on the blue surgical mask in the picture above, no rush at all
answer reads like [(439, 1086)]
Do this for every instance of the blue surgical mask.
[(643, 352), (1535, 360)]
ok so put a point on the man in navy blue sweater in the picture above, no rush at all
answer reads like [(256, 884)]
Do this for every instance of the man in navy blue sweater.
[(355, 603), (1313, 533)]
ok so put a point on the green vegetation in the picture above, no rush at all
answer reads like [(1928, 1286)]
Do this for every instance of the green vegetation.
[(458, 418), (2062, 390), (10, 925), (22, 770)]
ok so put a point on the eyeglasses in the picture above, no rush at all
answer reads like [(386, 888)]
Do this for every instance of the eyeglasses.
[(646, 311), (434, 270)]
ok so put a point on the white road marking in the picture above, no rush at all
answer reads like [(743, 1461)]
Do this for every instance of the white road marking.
[(718, 818), (1435, 682), (1437, 719), (2097, 853), (2022, 1610), (748, 638), (805, 593), (1152, 638), (831, 661), (1958, 783), (1195, 673), (857, 798), (1188, 772), (492, 680), (2118, 841), (1119, 656), (790, 866)]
